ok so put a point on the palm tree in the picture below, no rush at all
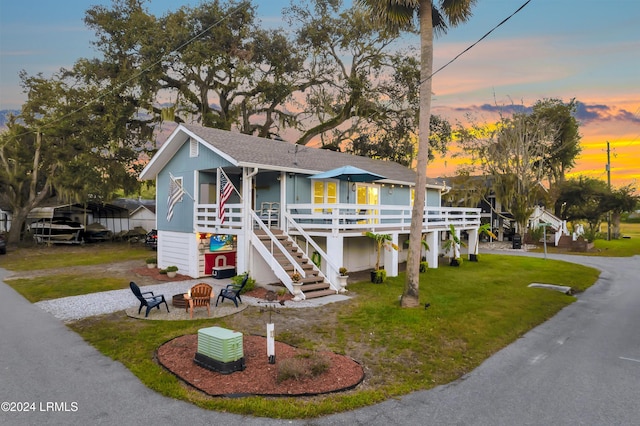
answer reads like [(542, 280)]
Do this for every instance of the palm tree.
[(399, 14)]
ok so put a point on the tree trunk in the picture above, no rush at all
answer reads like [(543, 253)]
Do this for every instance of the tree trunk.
[(615, 221), (410, 296)]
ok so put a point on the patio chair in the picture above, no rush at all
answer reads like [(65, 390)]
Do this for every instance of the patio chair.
[(200, 296), (148, 301), (232, 292)]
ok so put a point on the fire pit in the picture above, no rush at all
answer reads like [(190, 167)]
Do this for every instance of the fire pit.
[(178, 301)]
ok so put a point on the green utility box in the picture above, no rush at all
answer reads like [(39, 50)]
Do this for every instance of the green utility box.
[(220, 350)]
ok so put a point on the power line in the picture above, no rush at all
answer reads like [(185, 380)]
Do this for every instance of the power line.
[(479, 40)]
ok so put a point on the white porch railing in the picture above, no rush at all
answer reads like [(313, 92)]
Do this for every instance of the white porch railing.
[(355, 218), (207, 220), (378, 218), (541, 215)]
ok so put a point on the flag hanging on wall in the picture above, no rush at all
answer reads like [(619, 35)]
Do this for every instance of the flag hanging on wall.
[(175, 194), (226, 188)]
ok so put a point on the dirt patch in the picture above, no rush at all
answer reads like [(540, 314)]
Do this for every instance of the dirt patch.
[(259, 377)]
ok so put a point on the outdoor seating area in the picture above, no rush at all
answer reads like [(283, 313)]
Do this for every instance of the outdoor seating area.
[(232, 292), (189, 300), (151, 301), (199, 296)]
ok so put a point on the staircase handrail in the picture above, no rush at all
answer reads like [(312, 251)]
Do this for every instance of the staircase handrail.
[(323, 255), (281, 274), (278, 244)]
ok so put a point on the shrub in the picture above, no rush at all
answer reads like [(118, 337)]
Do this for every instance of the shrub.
[(301, 366), (343, 271), (172, 268), (151, 260), (379, 276), (251, 283), (424, 266)]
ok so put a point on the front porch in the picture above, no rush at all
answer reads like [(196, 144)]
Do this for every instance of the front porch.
[(331, 234)]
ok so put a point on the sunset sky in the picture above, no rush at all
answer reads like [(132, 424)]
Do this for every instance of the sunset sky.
[(583, 49)]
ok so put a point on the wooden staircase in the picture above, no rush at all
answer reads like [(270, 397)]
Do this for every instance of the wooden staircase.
[(313, 284)]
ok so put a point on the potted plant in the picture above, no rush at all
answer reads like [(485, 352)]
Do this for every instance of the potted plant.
[(342, 278), (378, 275), (452, 245), (171, 271), (483, 230), (151, 262), (297, 286), (424, 265)]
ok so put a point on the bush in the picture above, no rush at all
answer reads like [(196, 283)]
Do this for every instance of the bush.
[(251, 283), (304, 365), (424, 266), (378, 276), (151, 261)]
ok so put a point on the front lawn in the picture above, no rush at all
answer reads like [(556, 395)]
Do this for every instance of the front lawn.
[(475, 310)]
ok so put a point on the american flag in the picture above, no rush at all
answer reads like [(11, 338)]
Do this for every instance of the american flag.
[(175, 194), (226, 188)]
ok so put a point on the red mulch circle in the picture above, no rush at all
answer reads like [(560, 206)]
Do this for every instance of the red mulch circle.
[(259, 377)]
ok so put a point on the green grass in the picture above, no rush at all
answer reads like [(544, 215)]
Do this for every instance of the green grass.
[(476, 310), (47, 287), (623, 247), (57, 256)]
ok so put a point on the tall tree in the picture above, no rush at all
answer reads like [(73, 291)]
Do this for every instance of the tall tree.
[(433, 18), (511, 155), (25, 176), (619, 201), (397, 142), (564, 147), (361, 85), (585, 199)]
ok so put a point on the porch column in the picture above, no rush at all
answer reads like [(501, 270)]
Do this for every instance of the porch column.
[(434, 248), (473, 242), (244, 253), (242, 258), (335, 254), (391, 258)]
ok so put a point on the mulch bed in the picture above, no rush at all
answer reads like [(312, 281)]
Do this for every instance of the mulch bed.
[(259, 377), (155, 274)]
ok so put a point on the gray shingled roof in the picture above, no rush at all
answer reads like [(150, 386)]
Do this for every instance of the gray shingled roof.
[(279, 155)]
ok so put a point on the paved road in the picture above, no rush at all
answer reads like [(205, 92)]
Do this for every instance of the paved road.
[(581, 367)]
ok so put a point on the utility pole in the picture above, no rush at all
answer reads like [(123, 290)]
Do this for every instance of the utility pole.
[(609, 183)]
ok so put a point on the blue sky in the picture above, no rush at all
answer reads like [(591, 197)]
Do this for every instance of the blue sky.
[(583, 49)]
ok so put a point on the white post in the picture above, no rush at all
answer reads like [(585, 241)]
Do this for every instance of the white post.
[(271, 344), (473, 242), (391, 258), (434, 248), (335, 252)]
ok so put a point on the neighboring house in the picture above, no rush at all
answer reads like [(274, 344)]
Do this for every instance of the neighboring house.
[(494, 212), (277, 216), (143, 217), (5, 220), (142, 213)]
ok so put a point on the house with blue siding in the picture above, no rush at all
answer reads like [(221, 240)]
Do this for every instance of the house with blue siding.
[(230, 203)]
